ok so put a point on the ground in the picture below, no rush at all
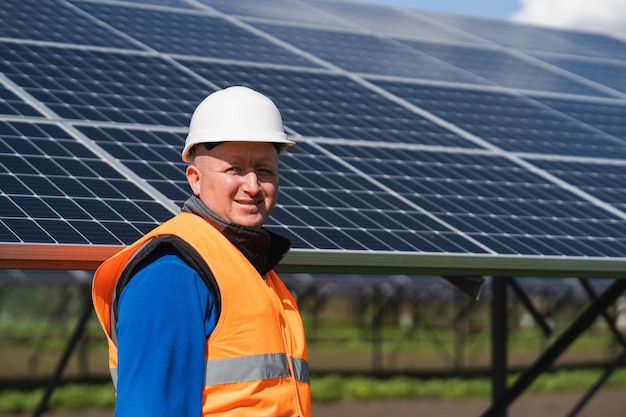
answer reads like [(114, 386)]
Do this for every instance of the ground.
[(606, 403)]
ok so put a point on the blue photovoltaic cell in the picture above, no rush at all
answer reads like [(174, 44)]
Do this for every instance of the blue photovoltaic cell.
[(55, 190), (493, 201), (609, 73), (324, 205), (153, 155), (394, 22), (604, 181), (369, 54), (535, 38), (10, 104), (505, 69), (316, 104), (192, 34), (282, 10), (513, 123), (609, 117), (104, 86), (54, 21)]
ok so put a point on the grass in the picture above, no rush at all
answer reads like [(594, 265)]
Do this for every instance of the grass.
[(328, 389), (338, 388), (67, 398)]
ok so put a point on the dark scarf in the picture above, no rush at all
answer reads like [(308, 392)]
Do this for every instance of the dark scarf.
[(263, 248)]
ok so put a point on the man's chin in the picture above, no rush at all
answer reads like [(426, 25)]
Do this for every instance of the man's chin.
[(250, 220)]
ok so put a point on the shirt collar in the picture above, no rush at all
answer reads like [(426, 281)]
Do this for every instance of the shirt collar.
[(263, 248)]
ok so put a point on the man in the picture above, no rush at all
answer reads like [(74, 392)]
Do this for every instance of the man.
[(197, 321)]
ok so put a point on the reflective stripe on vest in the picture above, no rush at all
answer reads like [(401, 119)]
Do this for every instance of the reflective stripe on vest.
[(114, 377), (301, 370), (251, 368), (248, 368)]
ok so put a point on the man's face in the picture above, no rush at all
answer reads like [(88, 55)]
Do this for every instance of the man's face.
[(238, 181)]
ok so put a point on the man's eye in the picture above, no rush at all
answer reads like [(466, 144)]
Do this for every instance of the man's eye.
[(265, 172)]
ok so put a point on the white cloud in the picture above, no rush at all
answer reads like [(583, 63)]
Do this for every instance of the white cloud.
[(605, 16)]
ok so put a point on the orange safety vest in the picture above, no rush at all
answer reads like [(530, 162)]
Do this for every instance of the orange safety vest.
[(256, 357)]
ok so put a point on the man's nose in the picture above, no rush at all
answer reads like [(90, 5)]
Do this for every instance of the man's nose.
[(251, 182)]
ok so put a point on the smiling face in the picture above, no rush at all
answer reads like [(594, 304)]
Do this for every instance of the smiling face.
[(238, 181)]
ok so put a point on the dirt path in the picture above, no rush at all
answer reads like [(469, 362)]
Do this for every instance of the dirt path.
[(606, 403)]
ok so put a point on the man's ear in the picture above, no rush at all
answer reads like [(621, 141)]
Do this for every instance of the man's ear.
[(193, 178)]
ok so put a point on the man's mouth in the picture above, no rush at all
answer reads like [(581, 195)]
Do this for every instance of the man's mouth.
[(247, 202)]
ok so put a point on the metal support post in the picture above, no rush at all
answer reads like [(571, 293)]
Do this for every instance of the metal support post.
[(528, 304), (499, 339), (58, 372)]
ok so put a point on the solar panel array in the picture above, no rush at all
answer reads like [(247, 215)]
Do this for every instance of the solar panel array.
[(417, 132)]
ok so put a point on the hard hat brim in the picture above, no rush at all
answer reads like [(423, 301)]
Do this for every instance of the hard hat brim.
[(276, 138)]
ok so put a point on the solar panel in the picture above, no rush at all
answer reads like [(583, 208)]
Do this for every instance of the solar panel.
[(506, 69), (517, 123), (493, 201), (151, 154), (51, 21), (607, 72), (336, 206), (418, 133), (192, 33), (394, 22), (605, 116), (281, 10), (534, 38), (601, 179), (103, 86), (11, 104), (321, 104), (369, 54), (56, 190)]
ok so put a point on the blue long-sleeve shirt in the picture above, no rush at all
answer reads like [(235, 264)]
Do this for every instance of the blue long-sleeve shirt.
[(166, 312)]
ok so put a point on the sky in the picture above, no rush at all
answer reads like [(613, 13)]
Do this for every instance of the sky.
[(604, 16)]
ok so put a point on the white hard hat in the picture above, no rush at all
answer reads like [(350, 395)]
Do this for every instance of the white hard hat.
[(235, 114)]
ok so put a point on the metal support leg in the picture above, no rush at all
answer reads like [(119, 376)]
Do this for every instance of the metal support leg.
[(76, 336), (528, 304), (617, 362), (499, 336), (610, 321), (546, 360)]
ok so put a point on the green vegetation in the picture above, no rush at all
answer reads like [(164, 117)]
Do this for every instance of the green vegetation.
[(360, 388), (329, 388), (69, 398)]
